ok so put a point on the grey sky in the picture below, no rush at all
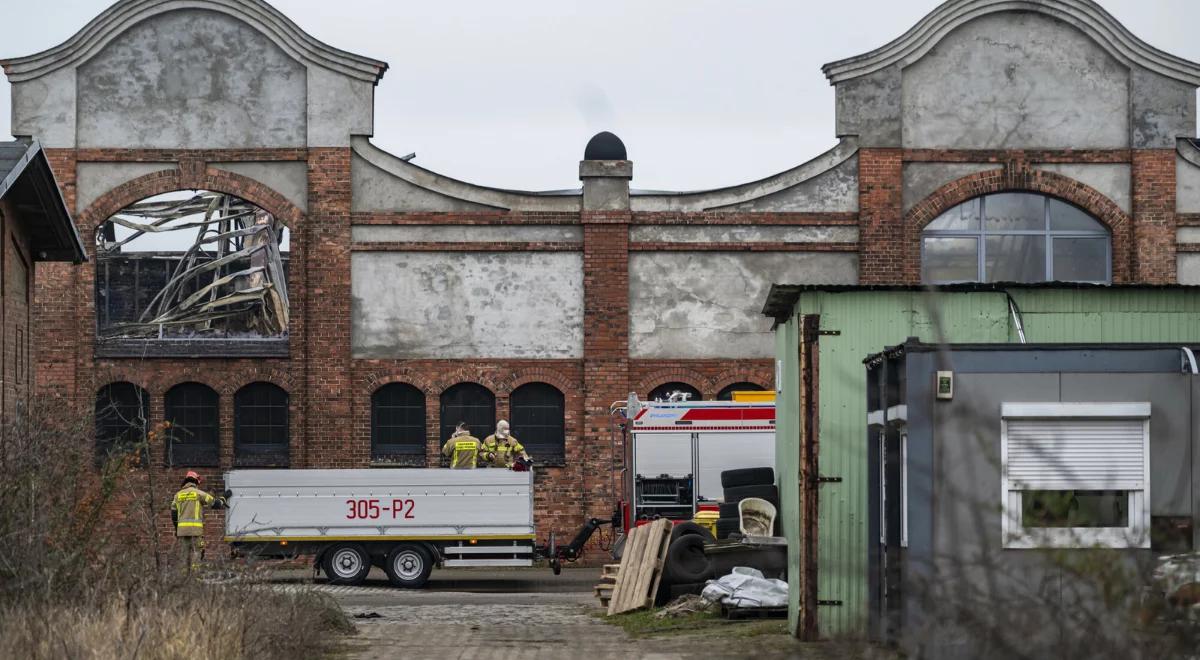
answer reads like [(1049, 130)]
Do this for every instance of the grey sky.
[(704, 93)]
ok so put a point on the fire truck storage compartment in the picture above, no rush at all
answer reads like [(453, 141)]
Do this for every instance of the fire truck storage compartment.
[(676, 467), (469, 517)]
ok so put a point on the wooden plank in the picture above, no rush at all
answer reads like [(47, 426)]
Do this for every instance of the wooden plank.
[(641, 567), (661, 559), (633, 544)]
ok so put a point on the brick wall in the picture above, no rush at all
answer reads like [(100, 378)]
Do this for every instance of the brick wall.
[(881, 247), (1154, 216)]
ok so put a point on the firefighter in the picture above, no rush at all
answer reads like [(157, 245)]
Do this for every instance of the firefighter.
[(187, 513), (462, 448), (501, 448)]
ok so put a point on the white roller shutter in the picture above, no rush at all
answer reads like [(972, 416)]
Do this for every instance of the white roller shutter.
[(1054, 454)]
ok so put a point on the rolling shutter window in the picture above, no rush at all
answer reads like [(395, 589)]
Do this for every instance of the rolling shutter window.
[(1055, 454)]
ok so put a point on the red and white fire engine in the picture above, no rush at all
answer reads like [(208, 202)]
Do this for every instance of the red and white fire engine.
[(676, 450)]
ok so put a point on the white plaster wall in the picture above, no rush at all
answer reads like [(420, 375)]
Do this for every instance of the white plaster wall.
[(742, 234), (377, 190), (94, 179), (1014, 80), (289, 179), (832, 191), (1112, 179), (709, 304), (467, 304), (1187, 186), (922, 179), (194, 79), (1188, 268)]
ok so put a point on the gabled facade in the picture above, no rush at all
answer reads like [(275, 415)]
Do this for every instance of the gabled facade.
[(416, 299)]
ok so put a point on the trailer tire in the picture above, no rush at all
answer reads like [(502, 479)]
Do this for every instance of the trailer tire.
[(727, 526), (767, 492), (691, 528), (346, 563), (408, 566), (758, 476), (686, 561)]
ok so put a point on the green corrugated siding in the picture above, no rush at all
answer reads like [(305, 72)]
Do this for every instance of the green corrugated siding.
[(870, 320)]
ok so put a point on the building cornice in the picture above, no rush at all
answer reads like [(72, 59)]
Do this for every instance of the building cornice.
[(1084, 15), (123, 15)]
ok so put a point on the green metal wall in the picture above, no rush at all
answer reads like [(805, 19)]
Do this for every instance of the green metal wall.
[(870, 320)]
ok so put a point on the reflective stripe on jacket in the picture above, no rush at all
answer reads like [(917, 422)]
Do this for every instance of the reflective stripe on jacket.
[(188, 506), (463, 450), (502, 453)]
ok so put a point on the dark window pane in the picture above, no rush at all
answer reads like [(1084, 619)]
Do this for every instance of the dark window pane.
[(664, 391), (471, 403), (965, 216), (538, 421), (121, 413), (193, 436), (1015, 258), (1014, 212), (1065, 217), (398, 424), (1075, 508), (951, 260), (260, 420), (726, 394), (1080, 259)]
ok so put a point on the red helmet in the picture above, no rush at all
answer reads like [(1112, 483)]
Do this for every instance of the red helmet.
[(191, 474)]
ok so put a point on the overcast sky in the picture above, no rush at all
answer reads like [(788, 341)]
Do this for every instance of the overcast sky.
[(704, 93)]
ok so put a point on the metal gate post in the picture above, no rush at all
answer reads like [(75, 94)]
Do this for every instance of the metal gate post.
[(809, 475)]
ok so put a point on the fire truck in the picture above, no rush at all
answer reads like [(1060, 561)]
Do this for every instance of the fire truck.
[(677, 449)]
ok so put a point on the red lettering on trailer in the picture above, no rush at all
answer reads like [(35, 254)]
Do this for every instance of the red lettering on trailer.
[(371, 510)]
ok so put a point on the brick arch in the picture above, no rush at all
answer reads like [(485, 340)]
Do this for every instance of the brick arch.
[(468, 376), (540, 375), (674, 375), (278, 377), (375, 380), (1021, 178), (164, 181), (122, 375), (759, 376)]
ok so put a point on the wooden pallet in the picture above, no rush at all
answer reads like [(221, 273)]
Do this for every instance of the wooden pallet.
[(608, 581), (641, 567)]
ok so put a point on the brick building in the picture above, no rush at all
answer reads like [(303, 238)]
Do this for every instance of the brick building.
[(994, 140)]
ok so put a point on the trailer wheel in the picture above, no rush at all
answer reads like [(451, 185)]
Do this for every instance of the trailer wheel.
[(408, 566), (346, 563)]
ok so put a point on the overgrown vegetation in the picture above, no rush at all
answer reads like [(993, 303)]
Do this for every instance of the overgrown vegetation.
[(84, 572)]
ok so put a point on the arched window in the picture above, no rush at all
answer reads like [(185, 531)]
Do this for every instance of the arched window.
[(664, 391), (398, 424), (471, 403), (121, 413), (194, 434), (1016, 237), (538, 421), (726, 394), (260, 426)]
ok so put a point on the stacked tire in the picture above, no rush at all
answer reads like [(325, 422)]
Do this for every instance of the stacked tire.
[(686, 568), (738, 485)]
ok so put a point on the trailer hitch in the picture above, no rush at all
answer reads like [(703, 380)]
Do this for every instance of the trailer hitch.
[(557, 554)]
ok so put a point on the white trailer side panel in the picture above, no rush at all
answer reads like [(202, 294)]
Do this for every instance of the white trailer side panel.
[(428, 504)]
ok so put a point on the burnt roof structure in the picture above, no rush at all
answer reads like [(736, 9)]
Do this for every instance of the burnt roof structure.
[(27, 182)]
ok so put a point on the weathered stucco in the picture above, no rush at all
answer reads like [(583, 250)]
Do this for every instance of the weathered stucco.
[(1187, 183), (1112, 179), (709, 304), (45, 107), (467, 304), (922, 179), (835, 190), (376, 190), (870, 108), (287, 179), (1188, 268), (742, 234), (199, 79), (1187, 235), (94, 179), (1163, 110), (1016, 80), (467, 233)]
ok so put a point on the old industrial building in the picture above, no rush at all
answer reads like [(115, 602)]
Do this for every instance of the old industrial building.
[(289, 294)]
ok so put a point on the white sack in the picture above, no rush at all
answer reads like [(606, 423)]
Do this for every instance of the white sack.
[(746, 587)]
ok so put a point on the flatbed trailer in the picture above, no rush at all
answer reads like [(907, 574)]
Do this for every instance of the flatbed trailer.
[(406, 521)]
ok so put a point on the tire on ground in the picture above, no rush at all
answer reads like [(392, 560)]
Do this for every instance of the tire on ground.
[(686, 528), (686, 561), (346, 563), (758, 476), (727, 526), (408, 565), (730, 510), (738, 493)]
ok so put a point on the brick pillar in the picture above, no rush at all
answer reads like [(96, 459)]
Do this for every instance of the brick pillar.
[(605, 217), (1154, 216), (328, 434), (883, 244), (56, 310)]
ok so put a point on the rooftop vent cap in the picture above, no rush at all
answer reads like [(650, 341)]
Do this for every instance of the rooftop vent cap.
[(604, 146)]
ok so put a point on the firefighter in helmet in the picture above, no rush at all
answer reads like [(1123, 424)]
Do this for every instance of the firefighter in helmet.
[(187, 512), (501, 449), (462, 448)]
